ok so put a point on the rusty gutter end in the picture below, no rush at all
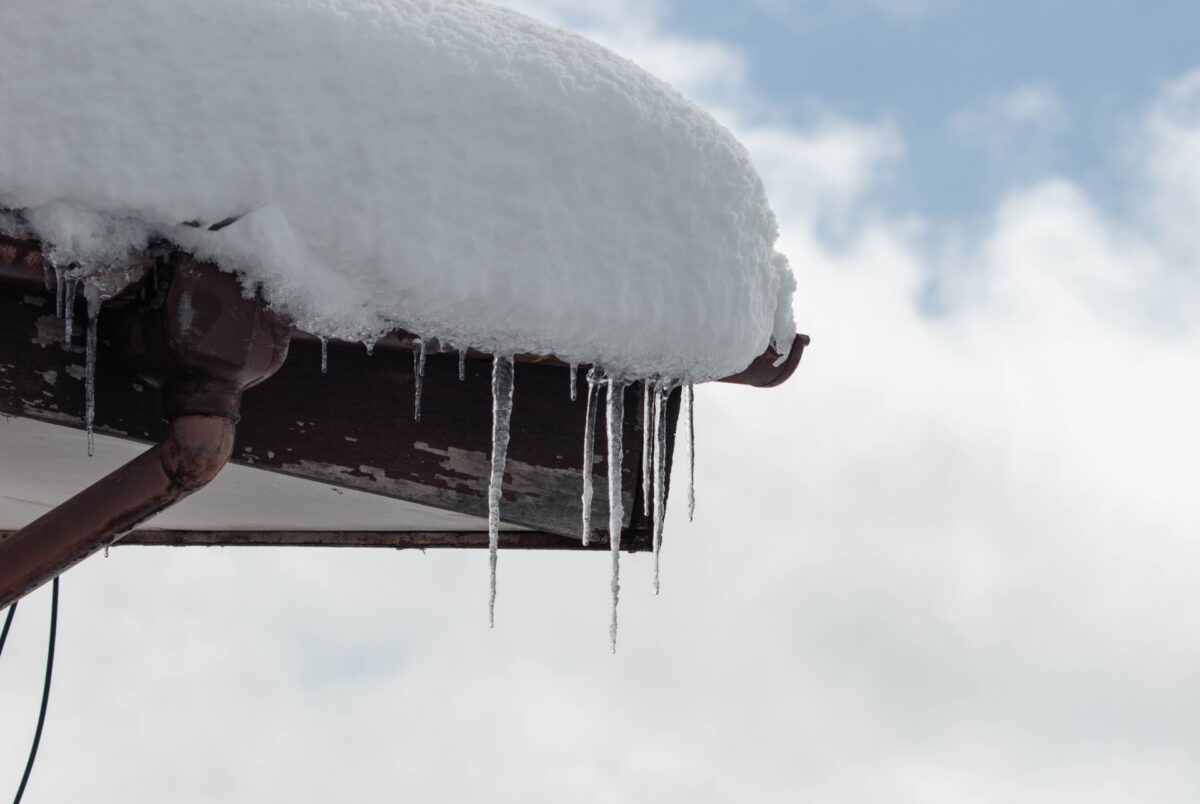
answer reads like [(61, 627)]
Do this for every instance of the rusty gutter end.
[(766, 371)]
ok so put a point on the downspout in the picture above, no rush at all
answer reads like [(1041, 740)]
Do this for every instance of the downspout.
[(190, 457), (203, 343)]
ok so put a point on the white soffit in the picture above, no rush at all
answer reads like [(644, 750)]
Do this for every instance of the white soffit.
[(42, 465)]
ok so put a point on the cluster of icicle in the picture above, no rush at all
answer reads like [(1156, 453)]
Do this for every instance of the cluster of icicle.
[(66, 288), (654, 448), (654, 434)]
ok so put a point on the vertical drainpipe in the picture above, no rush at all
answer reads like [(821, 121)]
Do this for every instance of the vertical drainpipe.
[(202, 343)]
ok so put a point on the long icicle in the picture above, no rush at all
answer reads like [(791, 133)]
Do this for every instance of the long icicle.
[(661, 390), (418, 378), (462, 364), (69, 311), (502, 404), (616, 510), (89, 376), (689, 400), (574, 382), (324, 355), (589, 454), (647, 444), (59, 288)]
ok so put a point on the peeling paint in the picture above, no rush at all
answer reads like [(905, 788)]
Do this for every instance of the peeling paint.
[(50, 331), (186, 312), (283, 436)]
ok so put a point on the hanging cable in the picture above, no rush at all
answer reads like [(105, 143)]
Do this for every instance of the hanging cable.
[(37, 734), (7, 624)]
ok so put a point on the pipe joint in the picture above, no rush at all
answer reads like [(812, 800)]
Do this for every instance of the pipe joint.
[(203, 343), (196, 450)]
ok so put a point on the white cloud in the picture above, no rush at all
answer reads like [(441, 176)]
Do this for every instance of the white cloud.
[(634, 29), (1036, 105), (809, 11), (1019, 126), (1171, 140), (820, 175), (953, 560)]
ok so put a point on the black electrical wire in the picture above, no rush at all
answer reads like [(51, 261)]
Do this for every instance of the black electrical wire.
[(37, 734), (7, 624)]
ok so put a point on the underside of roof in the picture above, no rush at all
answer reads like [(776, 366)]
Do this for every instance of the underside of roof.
[(328, 450)]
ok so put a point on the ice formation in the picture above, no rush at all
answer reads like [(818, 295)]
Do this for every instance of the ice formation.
[(502, 405), (689, 418), (418, 377), (448, 167), (661, 390), (616, 508), (647, 450), (589, 453), (89, 381), (69, 311)]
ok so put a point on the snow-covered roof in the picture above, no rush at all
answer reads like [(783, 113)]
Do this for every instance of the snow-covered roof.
[(446, 166)]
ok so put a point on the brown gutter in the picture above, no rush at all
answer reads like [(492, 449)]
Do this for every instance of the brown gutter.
[(21, 263), (767, 370), (191, 333)]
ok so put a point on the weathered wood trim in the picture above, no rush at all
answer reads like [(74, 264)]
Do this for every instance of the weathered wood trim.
[(398, 540), (352, 427)]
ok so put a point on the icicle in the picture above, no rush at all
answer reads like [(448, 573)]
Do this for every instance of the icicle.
[(324, 355), (689, 401), (418, 377), (616, 511), (589, 454), (574, 382), (106, 551), (462, 364), (502, 403), (647, 448), (59, 288), (89, 378), (661, 390), (69, 311)]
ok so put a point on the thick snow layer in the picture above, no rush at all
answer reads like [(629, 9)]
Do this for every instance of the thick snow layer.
[(445, 166)]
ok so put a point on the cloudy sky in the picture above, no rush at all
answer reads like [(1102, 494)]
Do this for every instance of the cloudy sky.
[(954, 560)]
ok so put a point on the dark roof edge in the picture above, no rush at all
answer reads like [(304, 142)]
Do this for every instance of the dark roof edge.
[(22, 261)]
